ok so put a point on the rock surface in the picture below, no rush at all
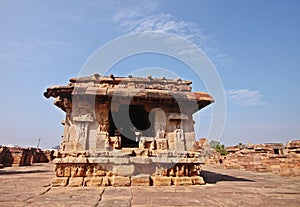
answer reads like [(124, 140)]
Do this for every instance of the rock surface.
[(265, 158), (30, 186)]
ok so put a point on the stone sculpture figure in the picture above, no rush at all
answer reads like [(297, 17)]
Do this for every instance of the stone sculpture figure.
[(107, 141), (117, 143), (82, 132), (142, 143), (89, 171), (179, 134), (103, 126), (59, 171), (161, 133), (153, 144)]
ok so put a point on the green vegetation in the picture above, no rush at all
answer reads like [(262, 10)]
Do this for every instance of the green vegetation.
[(218, 147)]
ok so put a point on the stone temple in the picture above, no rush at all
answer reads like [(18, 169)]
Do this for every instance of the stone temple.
[(125, 131)]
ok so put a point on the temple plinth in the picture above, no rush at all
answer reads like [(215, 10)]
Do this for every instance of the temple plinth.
[(128, 131)]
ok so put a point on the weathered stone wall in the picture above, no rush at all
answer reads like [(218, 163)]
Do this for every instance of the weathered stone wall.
[(39, 156), (262, 158), (2, 155), (17, 156), (126, 171)]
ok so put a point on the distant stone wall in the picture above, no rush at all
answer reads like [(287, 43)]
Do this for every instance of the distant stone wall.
[(284, 161), (17, 156)]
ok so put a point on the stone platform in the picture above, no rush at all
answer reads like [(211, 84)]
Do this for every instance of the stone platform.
[(31, 186)]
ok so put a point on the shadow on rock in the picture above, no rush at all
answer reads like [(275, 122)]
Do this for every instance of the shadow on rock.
[(212, 177)]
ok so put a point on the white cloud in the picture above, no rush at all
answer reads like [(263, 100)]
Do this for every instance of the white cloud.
[(245, 97), (135, 19), (22, 53), (14, 59)]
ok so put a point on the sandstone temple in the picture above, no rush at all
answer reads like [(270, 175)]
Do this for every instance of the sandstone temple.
[(125, 131)]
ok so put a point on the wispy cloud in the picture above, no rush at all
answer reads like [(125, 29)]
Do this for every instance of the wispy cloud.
[(25, 53), (245, 97), (134, 19)]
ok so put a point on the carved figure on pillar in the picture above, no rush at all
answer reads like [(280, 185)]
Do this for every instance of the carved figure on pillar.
[(89, 171), (107, 141), (82, 132), (103, 126), (153, 145), (117, 144), (161, 133), (142, 143), (179, 134)]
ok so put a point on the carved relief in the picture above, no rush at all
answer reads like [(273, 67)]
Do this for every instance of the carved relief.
[(153, 145), (82, 132), (74, 170), (162, 144), (67, 171), (179, 133), (142, 143), (80, 171), (85, 117), (117, 143), (89, 171), (107, 141), (196, 170), (103, 126), (59, 170), (161, 133)]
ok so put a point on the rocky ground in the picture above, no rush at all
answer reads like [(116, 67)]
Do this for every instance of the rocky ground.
[(30, 186)]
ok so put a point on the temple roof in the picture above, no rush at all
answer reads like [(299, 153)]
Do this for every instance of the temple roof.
[(142, 88)]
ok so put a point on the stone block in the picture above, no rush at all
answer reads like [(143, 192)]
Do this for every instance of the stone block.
[(67, 171), (100, 173), (179, 146), (183, 181), (161, 181), (119, 160), (140, 180), (75, 182), (121, 181), (60, 181), (286, 172), (162, 144), (93, 181), (123, 170), (296, 171), (106, 181), (197, 180), (140, 160)]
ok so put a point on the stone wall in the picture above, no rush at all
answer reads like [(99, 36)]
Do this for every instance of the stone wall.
[(126, 171), (275, 158), (17, 156)]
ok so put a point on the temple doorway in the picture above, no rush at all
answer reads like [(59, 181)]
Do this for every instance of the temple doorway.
[(140, 122)]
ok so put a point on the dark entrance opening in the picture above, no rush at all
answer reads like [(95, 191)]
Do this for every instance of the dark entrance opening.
[(140, 122)]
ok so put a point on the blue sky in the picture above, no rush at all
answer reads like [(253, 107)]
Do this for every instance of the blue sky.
[(254, 46)]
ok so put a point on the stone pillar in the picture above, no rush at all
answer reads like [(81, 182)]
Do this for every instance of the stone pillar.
[(160, 120), (82, 122), (102, 137)]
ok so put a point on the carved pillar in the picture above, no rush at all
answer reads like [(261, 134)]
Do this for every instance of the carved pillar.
[(102, 137), (82, 123)]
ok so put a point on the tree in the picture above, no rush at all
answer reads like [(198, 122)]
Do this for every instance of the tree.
[(218, 147), (213, 144)]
